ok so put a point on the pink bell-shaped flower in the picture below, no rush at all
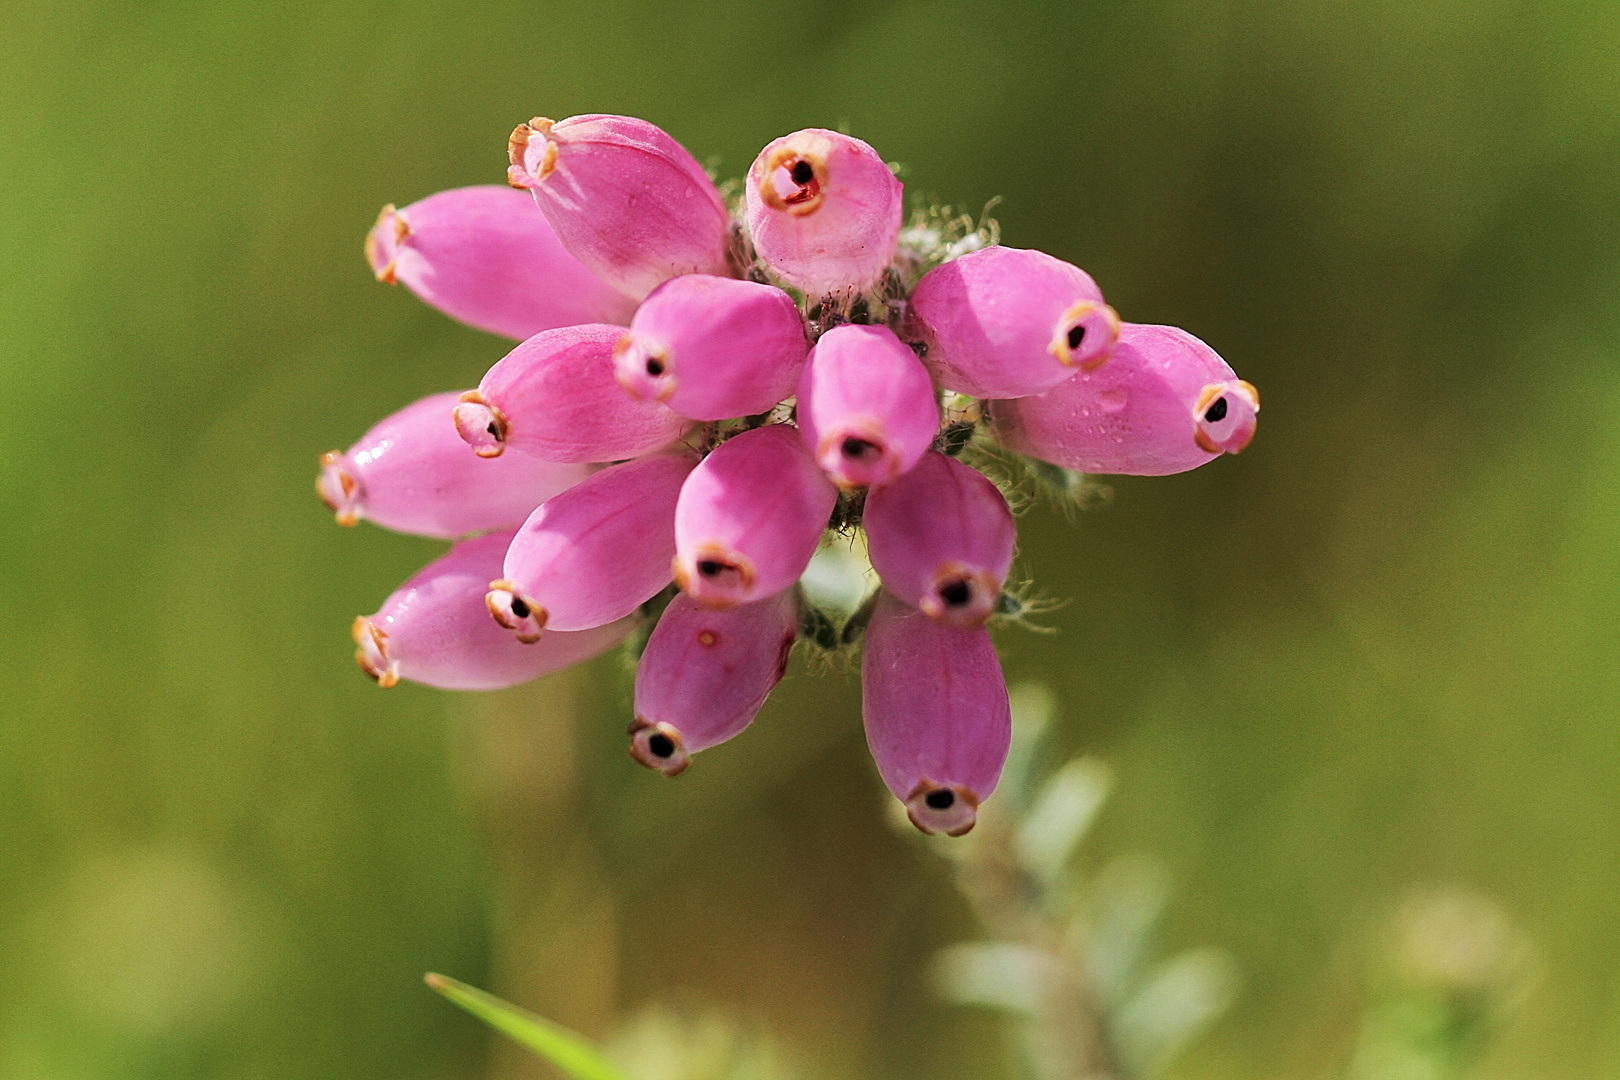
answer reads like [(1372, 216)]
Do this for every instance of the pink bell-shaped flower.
[(554, 397), (412, 473), (486, 256), (436, 630), (938, 721), (712, 348), (866, 406), (1164, 404), (1004, 322), (941, 537), (705, 674), (595, 553), (626, 199), (750, 517), (824, 211)]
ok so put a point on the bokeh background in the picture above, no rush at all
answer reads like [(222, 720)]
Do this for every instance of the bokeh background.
[(1378, 650)]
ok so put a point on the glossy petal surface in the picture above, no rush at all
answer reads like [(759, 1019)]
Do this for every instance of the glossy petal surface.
[(1164, 404), (705, 674), (435, 629), (412, 473), (486, 255), (937, 716)]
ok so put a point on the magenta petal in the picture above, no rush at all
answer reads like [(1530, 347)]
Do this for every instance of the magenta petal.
[(555, 397), (412, 473), (486, 256), (866, 406), (594, 553), (941, 537), (705, 674), (937, 716), (1164, 404), (824, 211), (626, 199), (1005, 322), (712, 348), (750, 517), (436, 630)]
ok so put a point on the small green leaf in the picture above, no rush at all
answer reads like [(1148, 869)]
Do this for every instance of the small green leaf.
[(567, 1050)]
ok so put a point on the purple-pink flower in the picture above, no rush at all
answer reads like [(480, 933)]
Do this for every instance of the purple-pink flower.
[(704, 394)]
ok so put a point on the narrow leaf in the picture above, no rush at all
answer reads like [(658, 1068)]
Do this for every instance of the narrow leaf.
[(567, 1050)]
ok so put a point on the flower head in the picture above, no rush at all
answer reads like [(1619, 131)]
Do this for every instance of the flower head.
[(702, 393)]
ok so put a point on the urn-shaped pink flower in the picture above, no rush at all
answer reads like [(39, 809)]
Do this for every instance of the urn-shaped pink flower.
[(750, 517), (712, 347), (594, 553), (824, 211), (938, 720), (412, 473), (1164, 404), (941, 538), (555, 397), (705, 674), (1002, 322), (487, 256), (867, 409), (436, 630), (626, 199)]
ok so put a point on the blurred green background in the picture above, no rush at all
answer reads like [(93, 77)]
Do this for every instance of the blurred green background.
[(1378, 650)]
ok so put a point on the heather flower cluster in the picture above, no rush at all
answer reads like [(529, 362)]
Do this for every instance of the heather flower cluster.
[(702, 392)]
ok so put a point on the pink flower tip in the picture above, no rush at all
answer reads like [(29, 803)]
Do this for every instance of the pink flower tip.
[(482, 426), (382, 243), (371, 653), (643, 369), (961, 595), (659, 747), (532, 159), (952, 809), (715, 574), (338, 489), (518, 613), (1226, 416), (1085, 335)]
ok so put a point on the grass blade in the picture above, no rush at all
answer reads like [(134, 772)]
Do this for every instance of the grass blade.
[(567, 1050)]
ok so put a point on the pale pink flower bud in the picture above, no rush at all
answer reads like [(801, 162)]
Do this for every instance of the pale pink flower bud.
[(595, 553), (750, 517), (412, 473), (941, 538), (1164, 404), (626, 199), (824, 211), (705, 674), (1004, 322), (866, 406), (486, 256), (712, 348), (436, 630), (554, 397), (937, 717)]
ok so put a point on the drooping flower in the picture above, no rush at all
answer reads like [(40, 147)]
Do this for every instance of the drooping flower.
[(436, 630), (1003, 323), (705, 674), (486, 256), (1164, 404), (712, 348), (941, 537), (866, 407), (411, 473), (664, 481)]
